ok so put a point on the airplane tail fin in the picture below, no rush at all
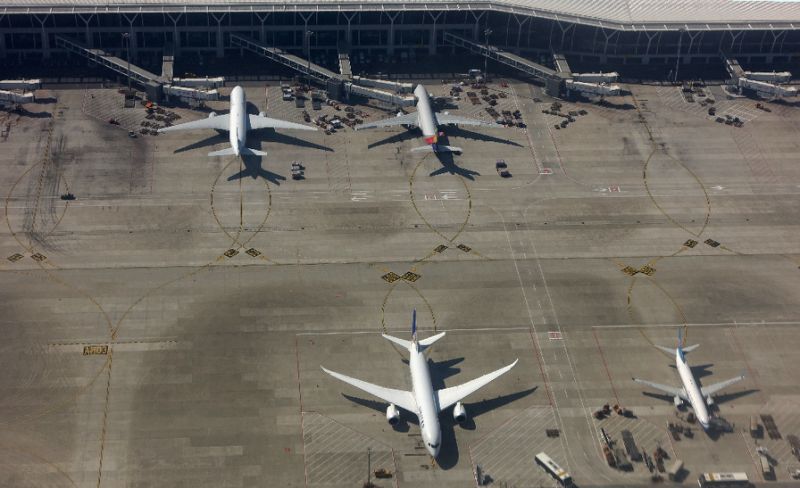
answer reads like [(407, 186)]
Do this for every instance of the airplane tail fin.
[(683, 350), (423, 344)]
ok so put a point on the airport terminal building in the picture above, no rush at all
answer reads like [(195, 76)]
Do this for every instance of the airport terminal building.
[(605, 31)]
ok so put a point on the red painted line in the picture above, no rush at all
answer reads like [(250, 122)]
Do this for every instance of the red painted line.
[(538, 354), (605, 365)]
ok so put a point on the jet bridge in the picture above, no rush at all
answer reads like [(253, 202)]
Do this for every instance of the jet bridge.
[(18, 91), (763, 84), (586, 83), (556, 81), (344, 60), (304, 66), (16, 97), (335, 84), (154, 85), (102, 58), (553, 80), (20, 84)]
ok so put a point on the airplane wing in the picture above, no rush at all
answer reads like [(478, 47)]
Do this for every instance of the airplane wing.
[(676, 392), (711, 389), (449, 396), (408, 119), (401, 398), (453, 119), (259, 122), (219, 122)]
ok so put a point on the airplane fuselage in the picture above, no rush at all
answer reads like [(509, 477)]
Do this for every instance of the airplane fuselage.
[(237, 133), (427, 407), (425, 116), (692, 389)]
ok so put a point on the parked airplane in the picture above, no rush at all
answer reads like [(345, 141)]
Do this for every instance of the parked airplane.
[(423, 401), (428, 121), (698, 397), (237, 123)]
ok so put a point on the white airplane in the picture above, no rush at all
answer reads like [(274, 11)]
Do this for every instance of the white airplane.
[(698, 397), (428, 121), (423, 401), (237, 123)]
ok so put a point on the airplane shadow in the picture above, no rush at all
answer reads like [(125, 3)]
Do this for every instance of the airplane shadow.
[(698, 370), (218, 138), (272, 136), (457, 131), (395, 138), (447, 160), (729, 397), (449, 454), (252, 168)]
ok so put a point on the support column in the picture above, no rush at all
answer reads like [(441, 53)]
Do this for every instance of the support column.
[(519, 28), (390, 44), (564, 31), (476, 29), (88, 34), (604, 57), (2, 42), (774, 41), (220, 37), (306, 37), (733, 40), (432, 43), (176, 36), (508, 30), (349, 33), (262, 33), (692, 36), (45, 38), (133, 43), (646, 57)]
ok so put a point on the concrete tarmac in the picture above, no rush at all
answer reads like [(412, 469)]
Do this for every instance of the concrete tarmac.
[(167, 327)]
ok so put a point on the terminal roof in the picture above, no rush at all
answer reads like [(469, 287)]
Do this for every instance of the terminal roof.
[(628, 15)]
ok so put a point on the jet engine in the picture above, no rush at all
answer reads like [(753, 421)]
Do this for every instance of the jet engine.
[(459, 413), (709, 400), (262, 114), (392, 414), (212, 115), (677, 400)]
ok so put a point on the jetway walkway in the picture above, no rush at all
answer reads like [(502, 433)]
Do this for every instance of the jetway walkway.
[(345, 68), (336, 84), (556, 80), (20, 84), (24, 96), (764, 84), (323, 75), (517, 62), (137, 74), (16, 97), (154, 85)]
